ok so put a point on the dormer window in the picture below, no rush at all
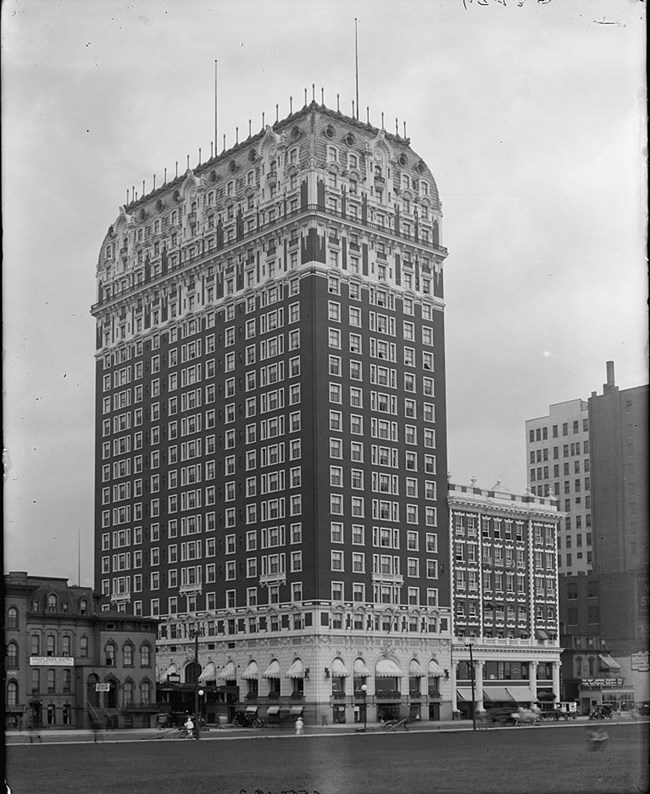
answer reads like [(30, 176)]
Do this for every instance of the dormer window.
[(51, 603)]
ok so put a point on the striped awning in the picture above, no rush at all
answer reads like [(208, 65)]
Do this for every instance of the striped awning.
[(464, 693), (386, 668), (273, 710), (496, 693), (521, 694), (296, 670), (360, 669), (607, 662), (339, 670), (415, 671), (228, 673), (435, 669), (296, 710), (273, 670), (209, 673), (252, 671)]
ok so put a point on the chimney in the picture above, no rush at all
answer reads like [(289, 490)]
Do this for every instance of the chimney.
[(610, 385)]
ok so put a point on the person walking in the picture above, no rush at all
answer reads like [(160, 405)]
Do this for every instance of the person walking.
[(189, 726), (299, 726)]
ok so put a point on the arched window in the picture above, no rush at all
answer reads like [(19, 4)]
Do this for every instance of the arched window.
[(12, 618), (128, 655), (128, 693), (12, 693), (67, 681), (66, 644), (67, 714), (51, 603), (51, 714), (145, 693), (145, 655), (35, 645), (51, 645), (51, 681), (36, 680), (34, 606), (83, 606), (12, 655), (109, 653)]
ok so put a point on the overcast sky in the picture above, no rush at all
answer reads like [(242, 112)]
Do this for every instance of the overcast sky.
[(530, 114)]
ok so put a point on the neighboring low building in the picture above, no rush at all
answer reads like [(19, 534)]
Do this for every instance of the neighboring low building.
[(504, 598), (590, 674), (69, 664)]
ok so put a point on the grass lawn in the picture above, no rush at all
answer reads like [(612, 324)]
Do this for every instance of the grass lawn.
[(544, 759)]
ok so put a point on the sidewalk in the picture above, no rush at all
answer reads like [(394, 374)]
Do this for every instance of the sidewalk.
[(214, 732)]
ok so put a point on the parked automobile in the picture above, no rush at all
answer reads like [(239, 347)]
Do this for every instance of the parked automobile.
[(604, 712), (643, 709)]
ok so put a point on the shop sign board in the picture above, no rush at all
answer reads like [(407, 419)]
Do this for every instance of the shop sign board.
[(52, 661), (102, 687), (640, 661), (597, 683)]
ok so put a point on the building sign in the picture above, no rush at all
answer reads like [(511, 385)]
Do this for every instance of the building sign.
[(640, 661), (52, 661), (102, 687), (597, 683)]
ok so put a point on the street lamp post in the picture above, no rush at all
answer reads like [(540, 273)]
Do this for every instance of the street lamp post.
[(471, 673), (200, 714), (197, 728), (364, 691)]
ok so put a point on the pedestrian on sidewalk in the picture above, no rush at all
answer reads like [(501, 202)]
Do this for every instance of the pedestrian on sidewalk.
[(299, 726), (96, 728)]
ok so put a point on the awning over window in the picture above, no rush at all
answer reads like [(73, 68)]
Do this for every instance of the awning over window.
[(541, 634), (252, 671), (607, 662), (496, 693), (273, 710), (228, 672), (522, 694), (415, 671), (386, 668), (464, 693), (360, 668), (209, 673), (339, 670), (296, 710), (273, 670), (296, 670), (251, 709), (545, 694), (435, 669)]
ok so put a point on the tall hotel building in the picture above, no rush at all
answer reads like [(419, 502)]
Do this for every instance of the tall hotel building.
[(271, 462)]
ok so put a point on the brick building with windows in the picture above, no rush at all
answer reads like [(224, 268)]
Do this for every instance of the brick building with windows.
[(68, 663), (271, 425), (504, 598)]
